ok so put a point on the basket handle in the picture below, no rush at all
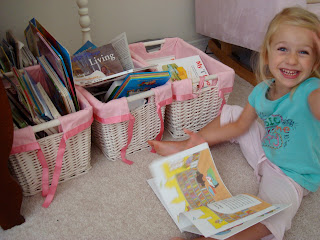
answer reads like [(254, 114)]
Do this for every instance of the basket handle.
[(206, 78), (46, 125), (153, 43)]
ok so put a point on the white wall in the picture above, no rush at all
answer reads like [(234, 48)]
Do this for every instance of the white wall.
[(140, 19)]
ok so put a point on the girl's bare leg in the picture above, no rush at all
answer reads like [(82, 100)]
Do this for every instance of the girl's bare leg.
[(165, 148)]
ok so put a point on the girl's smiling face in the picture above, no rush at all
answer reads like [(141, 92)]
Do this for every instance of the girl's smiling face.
[(292, 56)]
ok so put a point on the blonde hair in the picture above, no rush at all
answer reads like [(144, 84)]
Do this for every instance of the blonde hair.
[(294, 16)]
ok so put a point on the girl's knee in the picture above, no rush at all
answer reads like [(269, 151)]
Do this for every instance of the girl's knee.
[(230, 113)]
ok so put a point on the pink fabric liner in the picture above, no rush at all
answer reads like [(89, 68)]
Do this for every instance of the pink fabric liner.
[(117, 111), (24, 139)]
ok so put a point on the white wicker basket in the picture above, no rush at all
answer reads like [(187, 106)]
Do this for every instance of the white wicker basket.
[(111, 138), (26, 168), (195, 113)]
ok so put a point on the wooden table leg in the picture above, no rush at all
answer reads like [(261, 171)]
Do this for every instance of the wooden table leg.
[(10, 191), (223, 51)]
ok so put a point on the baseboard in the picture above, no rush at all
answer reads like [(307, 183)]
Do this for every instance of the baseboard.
[(200, 43)]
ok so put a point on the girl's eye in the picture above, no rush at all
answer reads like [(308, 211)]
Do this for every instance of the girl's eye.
[(304, 52), (282, 49)]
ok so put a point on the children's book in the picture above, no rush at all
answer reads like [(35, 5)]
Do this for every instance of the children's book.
[(62, 53), (4, 60), (17, 46), (190, 188), (87, 46), (10, 52), (45, 98), (46, 50), (141, 82), (182, 68), (55, 88), (112, 90)]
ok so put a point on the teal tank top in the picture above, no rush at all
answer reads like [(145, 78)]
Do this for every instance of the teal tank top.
[(292, 139)]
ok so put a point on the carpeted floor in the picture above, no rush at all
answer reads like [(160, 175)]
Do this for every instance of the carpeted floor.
[(114, 201)]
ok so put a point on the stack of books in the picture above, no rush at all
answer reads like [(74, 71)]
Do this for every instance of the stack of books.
[(42, 92)]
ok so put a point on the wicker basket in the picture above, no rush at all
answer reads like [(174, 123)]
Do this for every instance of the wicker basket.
[(26, 168), (111, 138), (195, 113), (192, 114)]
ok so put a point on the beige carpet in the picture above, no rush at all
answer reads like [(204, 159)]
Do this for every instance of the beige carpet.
[(114, 201)]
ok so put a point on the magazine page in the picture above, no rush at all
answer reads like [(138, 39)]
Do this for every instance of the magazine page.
[(188, 180), (228, 213), (120, 44)]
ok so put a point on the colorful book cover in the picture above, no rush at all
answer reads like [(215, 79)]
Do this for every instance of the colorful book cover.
[(46, 50), (87, 46), (53, 88), (64, 55), (10, 52), (141, 82)]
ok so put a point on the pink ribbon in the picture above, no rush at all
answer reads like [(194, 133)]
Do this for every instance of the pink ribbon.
[(59, 159)]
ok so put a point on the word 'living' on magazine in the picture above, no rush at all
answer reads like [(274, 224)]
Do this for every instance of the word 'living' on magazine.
[(93, 64), (190, 188)]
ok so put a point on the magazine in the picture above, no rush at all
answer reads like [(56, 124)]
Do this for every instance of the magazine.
[(190, 188), (89, 70)]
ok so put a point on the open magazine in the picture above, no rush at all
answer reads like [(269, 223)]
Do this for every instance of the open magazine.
[(192, 191)]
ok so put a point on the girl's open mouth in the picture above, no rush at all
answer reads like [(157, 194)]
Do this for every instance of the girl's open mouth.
[(289, 73)]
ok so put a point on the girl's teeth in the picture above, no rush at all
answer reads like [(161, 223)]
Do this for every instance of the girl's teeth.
[(288, 72)]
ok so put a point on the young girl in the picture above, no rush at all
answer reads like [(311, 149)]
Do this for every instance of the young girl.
[(285, 153)]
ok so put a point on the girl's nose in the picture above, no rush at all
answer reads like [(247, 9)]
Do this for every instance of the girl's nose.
[(292, 58)]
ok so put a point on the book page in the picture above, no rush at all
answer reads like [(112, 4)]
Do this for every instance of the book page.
[(234, 204), (188, 180), (222, 215), (238, 228)]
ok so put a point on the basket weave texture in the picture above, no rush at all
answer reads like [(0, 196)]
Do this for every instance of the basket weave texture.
[(111, 138), (195, 113), (26, 168)]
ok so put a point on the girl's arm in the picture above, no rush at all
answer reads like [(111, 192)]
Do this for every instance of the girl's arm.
[(213, 133), (314, 103)]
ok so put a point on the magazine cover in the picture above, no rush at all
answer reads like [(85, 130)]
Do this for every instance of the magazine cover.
[(103, 59)]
